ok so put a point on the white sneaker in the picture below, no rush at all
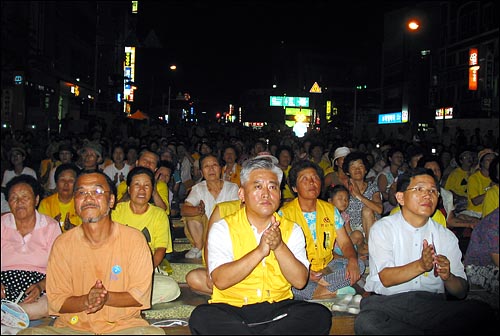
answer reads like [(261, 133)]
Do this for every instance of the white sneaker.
[(194, 253), (341, 302), (353, 306)]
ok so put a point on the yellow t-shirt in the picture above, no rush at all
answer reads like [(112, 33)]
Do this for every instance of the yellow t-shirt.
[(490, 202), (153, 224), (51, 206), (457, 181), (475, 187)]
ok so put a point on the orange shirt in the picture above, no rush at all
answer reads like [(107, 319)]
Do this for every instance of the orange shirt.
[(123, 264)]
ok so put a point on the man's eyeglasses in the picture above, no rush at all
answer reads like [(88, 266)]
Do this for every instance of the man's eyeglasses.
[(424, 191), (94, 193)]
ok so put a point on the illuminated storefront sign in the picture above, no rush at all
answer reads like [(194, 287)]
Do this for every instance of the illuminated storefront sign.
[(135, 7), (447, 112), (473, 69), (328, 111), (129, 75), (294, 115), (393, 118), (289, 101)]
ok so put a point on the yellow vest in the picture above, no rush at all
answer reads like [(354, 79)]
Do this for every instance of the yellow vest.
[(235, 178), (228, 207), (319, 254), (266, 283), (287, 192)]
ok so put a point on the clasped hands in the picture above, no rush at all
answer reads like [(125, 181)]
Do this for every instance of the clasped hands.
[(96, 298), (430, 258), (271, 238), (201, 208), (67, 223)]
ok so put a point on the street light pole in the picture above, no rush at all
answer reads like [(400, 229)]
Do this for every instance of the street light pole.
[(168, 107), (411, 27), (355, 110), (172, 68)]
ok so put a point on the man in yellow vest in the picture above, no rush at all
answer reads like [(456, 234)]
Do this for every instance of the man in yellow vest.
[(254, 258)]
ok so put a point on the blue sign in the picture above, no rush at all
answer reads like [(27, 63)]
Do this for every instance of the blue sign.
[(18, 79), (390, 118)]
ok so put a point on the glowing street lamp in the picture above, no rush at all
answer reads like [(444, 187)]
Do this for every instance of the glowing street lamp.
[(413, 24), (172, 68)]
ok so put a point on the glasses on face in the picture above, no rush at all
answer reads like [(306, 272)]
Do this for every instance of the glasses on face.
[(424, 191), (94, 193)]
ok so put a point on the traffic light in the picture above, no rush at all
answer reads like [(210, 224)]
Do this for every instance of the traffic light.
[(361, 87)]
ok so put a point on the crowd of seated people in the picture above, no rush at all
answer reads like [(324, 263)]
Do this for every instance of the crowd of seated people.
[(192, 174)]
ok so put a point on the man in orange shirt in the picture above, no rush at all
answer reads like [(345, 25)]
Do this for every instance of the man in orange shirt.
[(99, 275)]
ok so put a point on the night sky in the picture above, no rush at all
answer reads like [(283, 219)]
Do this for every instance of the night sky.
[(223, 48)]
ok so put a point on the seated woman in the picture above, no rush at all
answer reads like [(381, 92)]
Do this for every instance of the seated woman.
[(27, 237), (481, 258), (198, 279), (201, 201), (61, 205), (153, 222), (322, 225), (365, 202)]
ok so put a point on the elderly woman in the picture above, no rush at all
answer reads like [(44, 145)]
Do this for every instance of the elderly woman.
[(153, 222), (201, 201), (322, 225), (27, 237), (365, 202)]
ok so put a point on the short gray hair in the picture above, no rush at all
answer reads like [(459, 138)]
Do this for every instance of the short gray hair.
[(252, 164)]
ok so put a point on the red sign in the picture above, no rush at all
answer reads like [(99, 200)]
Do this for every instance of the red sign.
[(473, 68)]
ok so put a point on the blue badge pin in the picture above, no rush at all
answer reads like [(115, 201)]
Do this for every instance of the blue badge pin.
[(116, 269)]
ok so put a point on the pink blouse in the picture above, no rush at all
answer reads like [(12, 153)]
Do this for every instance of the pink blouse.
[(31, 252)]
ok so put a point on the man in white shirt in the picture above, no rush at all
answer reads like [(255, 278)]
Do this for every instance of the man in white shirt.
[(415, 263)]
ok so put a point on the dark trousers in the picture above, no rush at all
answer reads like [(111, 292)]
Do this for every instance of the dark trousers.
[(422, 313), (222, 319)]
